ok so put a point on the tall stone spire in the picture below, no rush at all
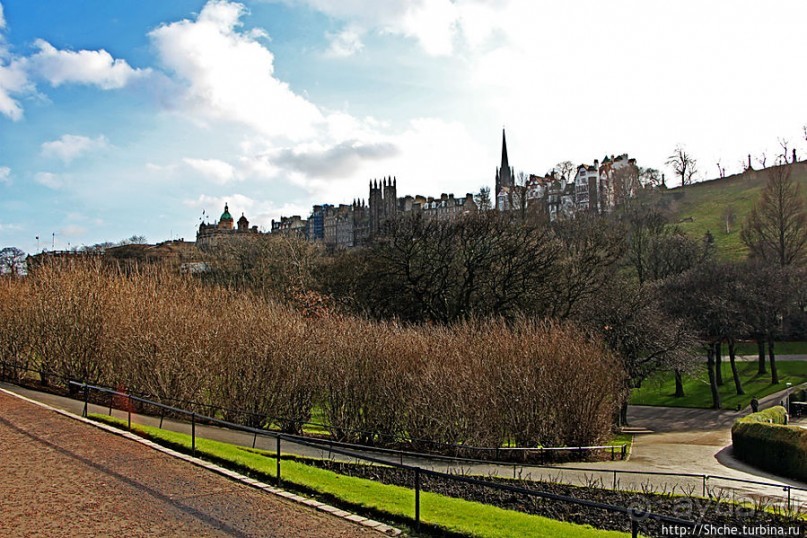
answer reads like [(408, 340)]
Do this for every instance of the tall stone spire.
[(505, 174), (505, 161)]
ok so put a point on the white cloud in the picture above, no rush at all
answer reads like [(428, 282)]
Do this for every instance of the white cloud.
[(49, 179), (230, 75), (93, 67), (435, 24), (69, 147), (218, 171), (5, 175), (72, 230), (13, 81), (346, 43)]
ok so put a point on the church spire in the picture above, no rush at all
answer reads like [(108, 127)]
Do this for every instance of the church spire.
[(505, 161)]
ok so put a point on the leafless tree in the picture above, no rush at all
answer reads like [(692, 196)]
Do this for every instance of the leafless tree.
[(649, 177), (565, 169), (776, 228), (783, 158), (729, 217), (683, 164), (483, 199), (721, 170), (12, 261), (762, 160)]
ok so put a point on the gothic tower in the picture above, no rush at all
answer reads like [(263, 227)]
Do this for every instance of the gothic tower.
[(505, 175)]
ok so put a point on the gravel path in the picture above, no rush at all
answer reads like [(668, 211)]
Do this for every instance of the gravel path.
[(60, 477)]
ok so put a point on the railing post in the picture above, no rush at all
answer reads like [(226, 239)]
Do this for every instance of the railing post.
[(788, 497), (615, 483), (162, 415), (254, 439), (613, 455), (417, 497), (705, 478), (634, 527), (278, 460), (193, 434), (129, 411), (86, 400)]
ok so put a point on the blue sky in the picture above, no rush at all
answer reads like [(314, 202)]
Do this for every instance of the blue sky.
[(132, 117)]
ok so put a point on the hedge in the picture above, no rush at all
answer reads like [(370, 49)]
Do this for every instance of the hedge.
[(763, 440)]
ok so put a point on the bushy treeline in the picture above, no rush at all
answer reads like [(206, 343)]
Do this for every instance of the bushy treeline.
[(473, 382)]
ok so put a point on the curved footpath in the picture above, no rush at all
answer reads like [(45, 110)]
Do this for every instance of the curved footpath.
[(678, 440), (63, 476)]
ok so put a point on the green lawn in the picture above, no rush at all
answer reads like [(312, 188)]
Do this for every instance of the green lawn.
[(781, 348), (702, 206), (447, 513), (661, 389)]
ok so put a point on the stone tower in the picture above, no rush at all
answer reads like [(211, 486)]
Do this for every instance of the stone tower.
[(383, 203)]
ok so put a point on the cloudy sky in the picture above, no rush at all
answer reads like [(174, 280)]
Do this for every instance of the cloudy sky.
[(135, 116)]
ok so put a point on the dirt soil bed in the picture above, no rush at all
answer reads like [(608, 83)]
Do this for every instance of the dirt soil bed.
[(713, 513), (61, 477)]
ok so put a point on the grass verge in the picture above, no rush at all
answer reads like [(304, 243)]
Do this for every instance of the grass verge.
[(443, 514), (781, 348), (660, 390)]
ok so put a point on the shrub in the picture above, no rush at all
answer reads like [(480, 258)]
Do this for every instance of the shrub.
[(763, 440), (474, 382)]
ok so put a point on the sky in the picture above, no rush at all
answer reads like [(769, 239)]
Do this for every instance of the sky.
[(144, 117)]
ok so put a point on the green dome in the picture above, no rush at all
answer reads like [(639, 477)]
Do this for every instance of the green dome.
[(226, 215)]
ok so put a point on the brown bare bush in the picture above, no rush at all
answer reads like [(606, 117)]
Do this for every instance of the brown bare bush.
[(473, 383)]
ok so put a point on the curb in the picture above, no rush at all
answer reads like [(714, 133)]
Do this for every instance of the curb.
[(233, 475)]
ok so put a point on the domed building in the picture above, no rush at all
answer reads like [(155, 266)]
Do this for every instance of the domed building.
[(226, 220), (224, 229)]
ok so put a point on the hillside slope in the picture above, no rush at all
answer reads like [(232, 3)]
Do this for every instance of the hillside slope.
[(702, 207)]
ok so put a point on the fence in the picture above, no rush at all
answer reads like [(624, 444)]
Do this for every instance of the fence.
[(626, 480), (634, 516)]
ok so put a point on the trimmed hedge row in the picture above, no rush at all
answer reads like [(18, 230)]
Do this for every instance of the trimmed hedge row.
[(763, 440)]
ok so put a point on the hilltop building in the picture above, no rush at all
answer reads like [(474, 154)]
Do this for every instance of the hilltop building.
[(356, 224), (209, 234), (598, 187)]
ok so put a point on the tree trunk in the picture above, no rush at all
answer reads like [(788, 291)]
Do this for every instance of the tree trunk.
[(761, 351), (772, 358), (710, 364), (623, 414), (738, 384), (719, 363), (679, 384)]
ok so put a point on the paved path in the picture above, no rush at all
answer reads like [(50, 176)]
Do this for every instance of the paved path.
[(62, 477), (684, 441)]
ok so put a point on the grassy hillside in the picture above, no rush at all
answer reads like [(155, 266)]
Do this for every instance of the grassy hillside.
[(702, 206)]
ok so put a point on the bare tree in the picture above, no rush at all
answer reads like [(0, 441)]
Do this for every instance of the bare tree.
[(721, 170), (683, 164), (783, 157), (729, 217), (762, 160), (649, 177), (12, 261), (776, 228), (483, 200), (565, 169)]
